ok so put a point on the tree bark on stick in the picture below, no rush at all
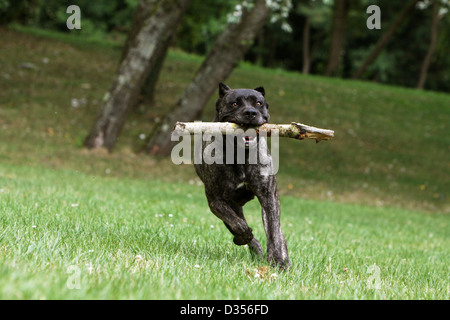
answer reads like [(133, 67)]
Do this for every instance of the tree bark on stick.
[(228, 49), (153, 25), (341, 8), (294, 130), (433, 40), (384, 40)]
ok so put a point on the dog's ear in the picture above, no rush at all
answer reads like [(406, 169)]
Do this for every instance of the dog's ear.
[(261, 90), (223, 88)]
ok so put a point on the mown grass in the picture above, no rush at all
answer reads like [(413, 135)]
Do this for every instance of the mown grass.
[(132, 226), (69, 235)]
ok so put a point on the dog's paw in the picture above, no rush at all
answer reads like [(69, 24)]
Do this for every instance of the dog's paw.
[(281, 264), (279, 260), (244, 238)]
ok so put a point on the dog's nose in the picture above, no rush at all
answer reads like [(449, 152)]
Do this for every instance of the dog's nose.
[(250, 114)]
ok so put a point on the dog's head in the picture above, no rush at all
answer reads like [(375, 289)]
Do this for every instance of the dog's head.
[(245, 107)]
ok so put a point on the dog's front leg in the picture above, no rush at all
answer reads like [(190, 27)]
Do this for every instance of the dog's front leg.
[(236, 224), (276, 243), (267, 193)]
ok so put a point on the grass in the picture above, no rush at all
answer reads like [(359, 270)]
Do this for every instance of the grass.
[(365, 215), (68, 235)]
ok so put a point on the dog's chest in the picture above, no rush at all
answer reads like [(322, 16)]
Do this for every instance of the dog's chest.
[(238, 176)]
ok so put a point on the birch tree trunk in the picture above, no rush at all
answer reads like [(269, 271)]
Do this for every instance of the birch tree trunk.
[(228, 49), (433, 40), (153, 25)]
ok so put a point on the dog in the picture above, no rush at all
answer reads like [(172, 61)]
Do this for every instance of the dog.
[(229, 186)]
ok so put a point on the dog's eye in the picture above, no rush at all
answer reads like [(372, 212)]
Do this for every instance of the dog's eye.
[(259, 104), (234, 104)]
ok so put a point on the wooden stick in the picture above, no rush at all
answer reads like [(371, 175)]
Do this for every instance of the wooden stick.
[(294, 130)]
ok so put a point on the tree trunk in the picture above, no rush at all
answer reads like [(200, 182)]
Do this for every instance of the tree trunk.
[(340, 14), (228, 49), (148, 88), (431, 48), (153, 25), (385, 39), (259, 60), (306, 47)]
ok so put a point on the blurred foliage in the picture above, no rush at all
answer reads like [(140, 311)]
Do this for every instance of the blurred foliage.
[(98, 17), (202, 23), (399, 63), (276, 46)]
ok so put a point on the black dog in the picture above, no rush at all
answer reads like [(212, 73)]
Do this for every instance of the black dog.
[(229, 186)]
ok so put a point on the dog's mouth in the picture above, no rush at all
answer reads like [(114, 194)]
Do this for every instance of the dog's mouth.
[(250, 124), (249, 141)]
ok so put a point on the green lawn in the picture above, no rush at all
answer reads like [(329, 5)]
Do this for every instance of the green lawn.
[(68, 235), (365, 215)]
